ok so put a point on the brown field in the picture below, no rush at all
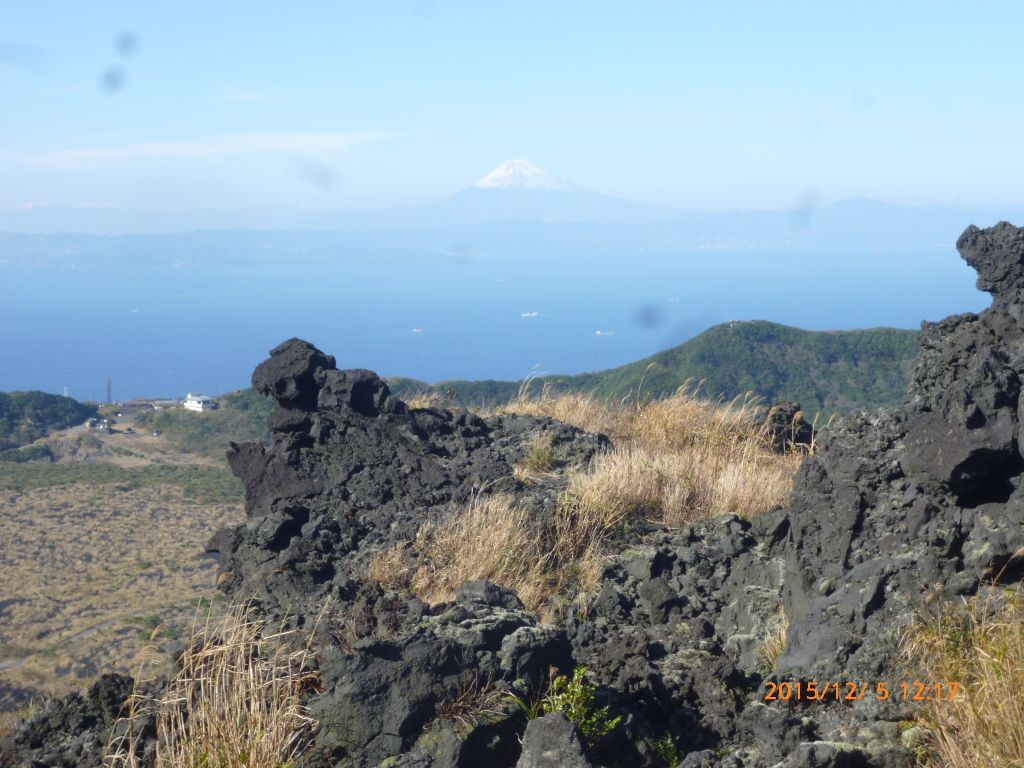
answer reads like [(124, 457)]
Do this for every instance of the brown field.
[(88, 571)]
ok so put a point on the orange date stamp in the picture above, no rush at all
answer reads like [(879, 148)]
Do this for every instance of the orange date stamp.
[(912, 690)]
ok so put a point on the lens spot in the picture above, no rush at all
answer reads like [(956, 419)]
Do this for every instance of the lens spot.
[(649, 316)]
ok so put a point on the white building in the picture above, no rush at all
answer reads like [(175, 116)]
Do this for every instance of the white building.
[(199, 402)]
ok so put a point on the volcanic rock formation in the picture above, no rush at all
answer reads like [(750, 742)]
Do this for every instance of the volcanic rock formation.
[(894, 509)]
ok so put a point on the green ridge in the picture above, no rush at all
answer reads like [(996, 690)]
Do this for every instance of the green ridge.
[(825, 371)]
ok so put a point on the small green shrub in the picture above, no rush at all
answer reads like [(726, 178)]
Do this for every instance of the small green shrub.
[(667, 750), (577, 700)]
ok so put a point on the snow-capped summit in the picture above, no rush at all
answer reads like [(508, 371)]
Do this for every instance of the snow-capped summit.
[(520, 190), (521, 174)]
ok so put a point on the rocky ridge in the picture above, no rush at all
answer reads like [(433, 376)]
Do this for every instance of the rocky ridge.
[(894, 508)]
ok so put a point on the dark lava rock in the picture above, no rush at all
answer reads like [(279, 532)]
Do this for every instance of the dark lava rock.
[(675, 628), (351, 470), (707, 758), (383, 695), (923, 497), (552, 741), (71, 732)]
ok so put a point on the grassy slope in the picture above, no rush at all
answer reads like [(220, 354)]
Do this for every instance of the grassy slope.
[(826, 371)]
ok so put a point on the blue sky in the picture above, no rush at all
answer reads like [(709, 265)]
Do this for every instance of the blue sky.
[(700, 106)]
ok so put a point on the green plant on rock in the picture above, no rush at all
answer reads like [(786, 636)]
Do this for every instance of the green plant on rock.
[(577, 700), (667, 750)]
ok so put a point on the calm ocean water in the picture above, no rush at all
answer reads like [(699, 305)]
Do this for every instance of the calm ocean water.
[(165, 332)]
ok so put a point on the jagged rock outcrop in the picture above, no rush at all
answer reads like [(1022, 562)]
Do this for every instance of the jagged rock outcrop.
[(70, 732), (924, 497), (352, 469), (893, 509)]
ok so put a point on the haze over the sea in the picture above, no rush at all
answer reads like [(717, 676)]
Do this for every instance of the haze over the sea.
[(458, 189)]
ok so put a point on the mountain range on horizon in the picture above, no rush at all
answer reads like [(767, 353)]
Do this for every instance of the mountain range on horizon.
[(519, 190)]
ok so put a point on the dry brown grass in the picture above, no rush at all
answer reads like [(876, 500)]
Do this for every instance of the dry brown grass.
[(774, 641), (428, 399), (492, 538), (580, 409), (9, 722), (476, 700), (675, 460), (90, 571), (237, 701), (980, 645)]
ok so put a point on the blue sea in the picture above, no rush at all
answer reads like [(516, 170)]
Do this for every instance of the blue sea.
[(163, 332)]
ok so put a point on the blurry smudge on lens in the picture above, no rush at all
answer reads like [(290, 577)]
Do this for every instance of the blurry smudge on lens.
[(113, 79), (317, 175), (802, 212), (649, 316), (126, 44)]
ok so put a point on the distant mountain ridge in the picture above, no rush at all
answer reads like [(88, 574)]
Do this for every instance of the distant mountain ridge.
[(501, 223), (825, 371), (521, 191)]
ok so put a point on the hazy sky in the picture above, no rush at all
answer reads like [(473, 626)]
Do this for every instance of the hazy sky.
[(695, 105)]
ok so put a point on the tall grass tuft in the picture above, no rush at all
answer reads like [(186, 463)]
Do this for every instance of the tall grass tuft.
[(978, 644), (428, 399), (776, 633), (236, 701), (492, 538), (675, 460)]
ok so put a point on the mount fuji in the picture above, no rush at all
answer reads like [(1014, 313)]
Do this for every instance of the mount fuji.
[(522, 174), (522, 190), (516, 190)]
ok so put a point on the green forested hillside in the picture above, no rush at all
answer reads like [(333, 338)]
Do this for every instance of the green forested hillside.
[(825, 371), (28, 416)]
